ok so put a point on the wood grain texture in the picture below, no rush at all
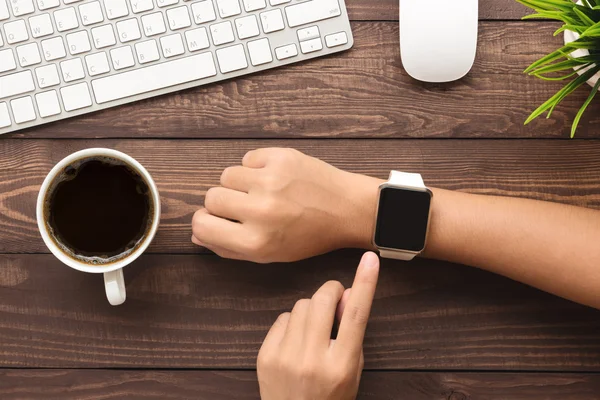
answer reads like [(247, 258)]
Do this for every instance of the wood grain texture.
[(561, 171), (201, 311), (241, 385), (363, 93), (387, 10)]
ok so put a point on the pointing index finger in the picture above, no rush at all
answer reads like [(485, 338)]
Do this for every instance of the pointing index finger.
[(356, 312)]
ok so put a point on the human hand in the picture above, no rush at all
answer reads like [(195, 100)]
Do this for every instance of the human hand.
[(282, 205), (298, 359)]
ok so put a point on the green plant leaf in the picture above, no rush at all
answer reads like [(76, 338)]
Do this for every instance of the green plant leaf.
[(552, 102), (584, 107)]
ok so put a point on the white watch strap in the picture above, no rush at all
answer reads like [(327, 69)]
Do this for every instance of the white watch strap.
[(408, 180), (397, 255)]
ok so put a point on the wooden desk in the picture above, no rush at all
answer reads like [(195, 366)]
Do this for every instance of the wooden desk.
[(193, 323)]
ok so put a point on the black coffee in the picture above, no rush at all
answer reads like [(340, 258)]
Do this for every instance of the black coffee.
[(99, 210)]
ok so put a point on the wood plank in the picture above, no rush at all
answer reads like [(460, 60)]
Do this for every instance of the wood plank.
[(562, 171), (222, 385), (387, 10), (362, 93), (206, 312)]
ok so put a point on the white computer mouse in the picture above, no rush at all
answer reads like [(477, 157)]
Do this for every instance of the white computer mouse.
[(438, 38)]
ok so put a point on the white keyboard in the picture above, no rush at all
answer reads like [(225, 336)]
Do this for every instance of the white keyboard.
[(62, 58)]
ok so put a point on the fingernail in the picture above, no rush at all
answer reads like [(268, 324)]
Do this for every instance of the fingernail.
[(370, 260)]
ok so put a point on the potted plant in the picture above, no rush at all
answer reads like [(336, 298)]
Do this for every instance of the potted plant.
[(578, 61)]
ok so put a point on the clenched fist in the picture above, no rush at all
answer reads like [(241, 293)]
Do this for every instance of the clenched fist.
[(281, 205)]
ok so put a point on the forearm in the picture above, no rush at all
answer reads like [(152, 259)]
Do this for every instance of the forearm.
[(550, 246)]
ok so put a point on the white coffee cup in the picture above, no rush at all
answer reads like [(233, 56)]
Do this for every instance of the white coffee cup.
[(114, 281)]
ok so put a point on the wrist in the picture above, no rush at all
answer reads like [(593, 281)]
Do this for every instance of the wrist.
[(358, 223)]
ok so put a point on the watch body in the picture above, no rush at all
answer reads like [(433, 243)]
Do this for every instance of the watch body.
[(403, 214)]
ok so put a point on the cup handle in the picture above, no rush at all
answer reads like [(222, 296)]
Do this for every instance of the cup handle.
[(114, 283)]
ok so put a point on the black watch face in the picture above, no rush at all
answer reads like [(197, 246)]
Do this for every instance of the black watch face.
[(402, 219)]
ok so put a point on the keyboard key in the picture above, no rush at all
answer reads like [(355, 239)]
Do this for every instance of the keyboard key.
[(172, 45), (71, 1), (272, 21), (53, 49), (122, 58), (312, 45), (115, 8), (7, 60), (16, 31), (66, 19), (97, 64), (28, 55), (247, 27), (228, 8), (46, 4), (47, 103), (232, 58), (128, 30), (253, 5), (22, 109), (147, 51), (312, 11), (336, 39), (178, 18), (22, 7), (308, 33), (138, 6), (278, 2), (1, 42), (4, 115), (165, 3), (154, 24), (91, 13), (203, 12), (154, 77), (76, 97), (47, 76), (103, 36), (197, 39), (4, 14), (78, 42), (287, 51), (14, 84), (260, 52), (222, 33), (41, 25), (72, 70)]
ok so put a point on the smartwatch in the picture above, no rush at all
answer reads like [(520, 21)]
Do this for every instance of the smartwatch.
[(403, 214)]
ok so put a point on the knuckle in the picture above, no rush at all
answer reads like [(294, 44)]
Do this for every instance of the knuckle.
[(301, 305), (356, 314), (226, 175), (329, 294), (248, 156), (309, 370), (256, 244), (265, 360), (198, 222), (270, 181), (283, 318), (341, 377), (212, 198), (283, 155), (267, 206)]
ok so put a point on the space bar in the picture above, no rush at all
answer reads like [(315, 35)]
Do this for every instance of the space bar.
[(155, 77)]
